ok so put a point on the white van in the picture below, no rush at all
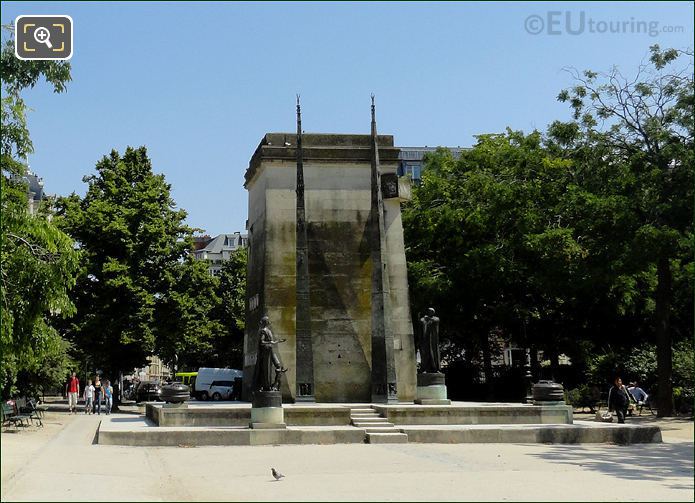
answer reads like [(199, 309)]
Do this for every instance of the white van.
[(215, 383)]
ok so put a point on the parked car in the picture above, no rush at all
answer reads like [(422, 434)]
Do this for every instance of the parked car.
[(207, 376), (221, 390), (148, 391)]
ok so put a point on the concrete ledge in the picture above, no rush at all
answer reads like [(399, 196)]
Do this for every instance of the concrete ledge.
[(139, 431), (455, 414), (432, 401), (268, 426), (528, 434), (148, 434), (239, 415)]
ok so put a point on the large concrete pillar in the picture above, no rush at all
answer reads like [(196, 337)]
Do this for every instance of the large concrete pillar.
[(337, 207)]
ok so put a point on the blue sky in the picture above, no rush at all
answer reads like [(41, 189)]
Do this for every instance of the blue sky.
[(200, 83)]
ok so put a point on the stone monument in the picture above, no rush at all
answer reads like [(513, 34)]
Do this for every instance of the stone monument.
[(431, 385), (266, 409), (327, 265)]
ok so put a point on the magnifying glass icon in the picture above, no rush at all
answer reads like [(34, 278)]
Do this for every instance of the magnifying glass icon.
[(43, 36)]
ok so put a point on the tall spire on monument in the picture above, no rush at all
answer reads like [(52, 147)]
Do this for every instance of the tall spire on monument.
[(383, 364), (304, 352)]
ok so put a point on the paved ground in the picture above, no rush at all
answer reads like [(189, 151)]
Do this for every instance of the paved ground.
[(61, 463)]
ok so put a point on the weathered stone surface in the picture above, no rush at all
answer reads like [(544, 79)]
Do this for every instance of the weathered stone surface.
[(483, 414), (431, 392), (272, 417), (241, 416), (387, 438), (267, 399), (337, 197), (240, 436), (432, 401), (550, 434)]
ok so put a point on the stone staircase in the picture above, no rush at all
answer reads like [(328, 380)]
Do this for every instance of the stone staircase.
[(378, 429)]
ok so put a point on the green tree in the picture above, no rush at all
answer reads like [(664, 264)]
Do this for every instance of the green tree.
[(38, 262), (488, 245), (133, 239), (201, 317), (232, 310), (642, 128), (187, 323)]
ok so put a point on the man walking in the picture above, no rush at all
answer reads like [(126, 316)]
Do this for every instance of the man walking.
[(618, 399), (72, 390)]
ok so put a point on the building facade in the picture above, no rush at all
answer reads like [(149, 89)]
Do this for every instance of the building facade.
[(218, 249), (411, 160)]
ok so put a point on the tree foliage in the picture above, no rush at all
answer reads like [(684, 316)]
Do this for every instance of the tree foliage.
[(133, 239), (642, 127), (488, 242), (232, 310), (572, 241), (38, 262), (187, 324)]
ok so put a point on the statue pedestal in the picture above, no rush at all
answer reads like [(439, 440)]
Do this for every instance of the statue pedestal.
[(431, 389), (266, 411)]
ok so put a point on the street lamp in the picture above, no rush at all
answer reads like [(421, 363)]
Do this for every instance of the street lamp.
[(528, 377)]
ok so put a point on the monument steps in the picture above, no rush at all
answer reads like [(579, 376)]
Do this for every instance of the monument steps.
[(377, 429), (367, 419), (362, 410), (382, 424)]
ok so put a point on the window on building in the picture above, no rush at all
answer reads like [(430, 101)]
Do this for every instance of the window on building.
[(413, 169)]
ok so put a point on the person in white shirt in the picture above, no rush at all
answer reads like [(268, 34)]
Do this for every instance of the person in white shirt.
[(89, 398)]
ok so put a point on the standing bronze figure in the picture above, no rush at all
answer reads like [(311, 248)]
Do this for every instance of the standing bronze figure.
[(269, 369), (429, 343)]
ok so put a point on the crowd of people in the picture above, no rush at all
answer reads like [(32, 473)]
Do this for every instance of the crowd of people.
[(94, 394)]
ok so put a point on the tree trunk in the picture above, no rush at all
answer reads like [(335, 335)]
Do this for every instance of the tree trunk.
[(664, 357)]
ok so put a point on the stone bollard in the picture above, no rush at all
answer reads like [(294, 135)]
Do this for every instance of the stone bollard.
[(175, 395), (548, 393)]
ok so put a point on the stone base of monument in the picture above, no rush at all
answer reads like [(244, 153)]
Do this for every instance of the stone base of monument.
[(431, 389), (203, 423), (266, 411)]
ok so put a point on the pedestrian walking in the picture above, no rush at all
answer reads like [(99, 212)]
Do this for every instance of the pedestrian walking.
[(72, 390), (89, 398), (108, 396), (618, 399), (98, 395)]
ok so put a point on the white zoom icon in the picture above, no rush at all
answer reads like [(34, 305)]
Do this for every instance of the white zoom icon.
[(43, 36)]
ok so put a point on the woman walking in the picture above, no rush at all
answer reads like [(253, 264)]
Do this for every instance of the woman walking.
[(98, 394)]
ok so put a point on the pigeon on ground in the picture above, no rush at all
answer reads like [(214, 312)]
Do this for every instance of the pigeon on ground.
[(276, 474)]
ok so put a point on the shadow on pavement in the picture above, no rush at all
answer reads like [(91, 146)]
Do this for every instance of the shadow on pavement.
[(651, 462)]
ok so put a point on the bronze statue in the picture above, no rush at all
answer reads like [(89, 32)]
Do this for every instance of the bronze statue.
[(269, 369), (429, 343)]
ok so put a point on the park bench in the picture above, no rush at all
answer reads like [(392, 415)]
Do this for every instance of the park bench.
[(40, 408), (11, 416), (32, 411)]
